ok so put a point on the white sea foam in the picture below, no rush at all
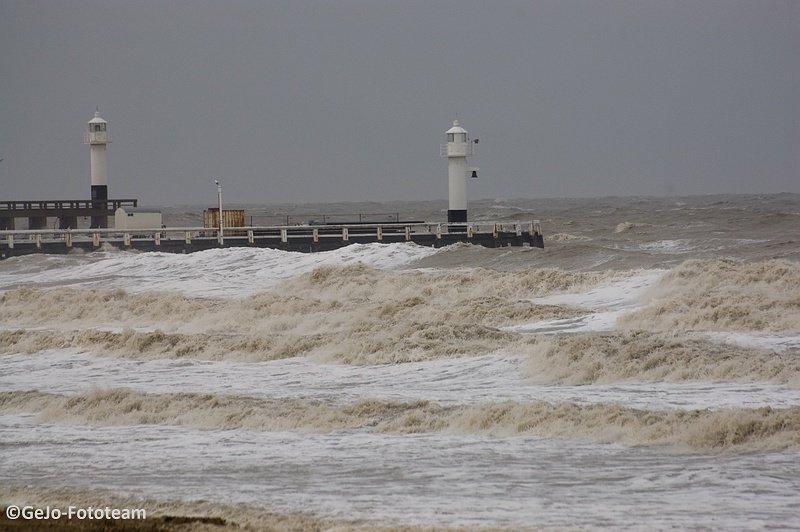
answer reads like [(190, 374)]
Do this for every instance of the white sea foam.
[(594, 322), (619, 293), (777, 342), (723, 295), (490, 378), (351, 313), (406, 479), (233, 272), (125, 376), (667, 246), (611, 299)]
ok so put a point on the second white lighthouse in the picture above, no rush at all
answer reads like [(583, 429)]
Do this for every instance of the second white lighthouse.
[(457, 149), (97, 137)]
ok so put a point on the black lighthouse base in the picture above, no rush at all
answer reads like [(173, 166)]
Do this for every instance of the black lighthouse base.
[(99, 197), (457, 216)]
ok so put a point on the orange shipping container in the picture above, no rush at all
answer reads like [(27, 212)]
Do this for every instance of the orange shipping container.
[(230, 218)]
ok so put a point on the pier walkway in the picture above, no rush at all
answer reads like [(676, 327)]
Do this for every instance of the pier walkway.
[(304, 238)]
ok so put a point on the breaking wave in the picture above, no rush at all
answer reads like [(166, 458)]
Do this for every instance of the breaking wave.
[(565, 237), (353, 314), (499, 296), (740, 428), (613, 357), (625, 227), (723, 295), (592, 358), (366, 343), (232, 272), (158, 344)]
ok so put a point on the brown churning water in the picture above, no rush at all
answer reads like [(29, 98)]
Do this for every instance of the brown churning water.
[(652, 347)]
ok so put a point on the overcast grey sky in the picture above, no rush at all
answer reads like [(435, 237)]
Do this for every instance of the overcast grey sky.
[(340, 100)]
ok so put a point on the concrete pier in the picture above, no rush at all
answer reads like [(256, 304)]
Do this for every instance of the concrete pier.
[(303, 238)]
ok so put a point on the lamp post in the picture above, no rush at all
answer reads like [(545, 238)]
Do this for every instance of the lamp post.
[(219, 195)]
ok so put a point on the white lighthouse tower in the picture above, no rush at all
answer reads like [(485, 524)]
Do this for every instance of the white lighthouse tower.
[(98, 137), (457, 149)]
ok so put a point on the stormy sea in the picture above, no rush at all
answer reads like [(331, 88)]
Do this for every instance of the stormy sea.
[(641, 372)]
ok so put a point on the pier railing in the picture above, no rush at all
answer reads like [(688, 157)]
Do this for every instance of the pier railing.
[(55, 205), (291, 237)]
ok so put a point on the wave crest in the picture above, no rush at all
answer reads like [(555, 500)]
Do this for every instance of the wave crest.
[(723, 294), (625, 227), (606, 358), (565, 237), (739, 428), (350, 313)]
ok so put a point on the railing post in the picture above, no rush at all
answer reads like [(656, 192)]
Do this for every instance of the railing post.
[(408, 233), (38, 241), (126, 238), (68, 239), (379, 233), (250, 238), (315, 234), (345, 235), (10, 241), (438, 231), (158, 238), (96, 240), (188, 237), (284, 236)]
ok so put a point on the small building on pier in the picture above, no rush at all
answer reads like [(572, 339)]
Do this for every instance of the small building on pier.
[(128, 218)]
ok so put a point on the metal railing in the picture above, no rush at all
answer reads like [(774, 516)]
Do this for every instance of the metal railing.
[(264, 233), (52, 205)]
